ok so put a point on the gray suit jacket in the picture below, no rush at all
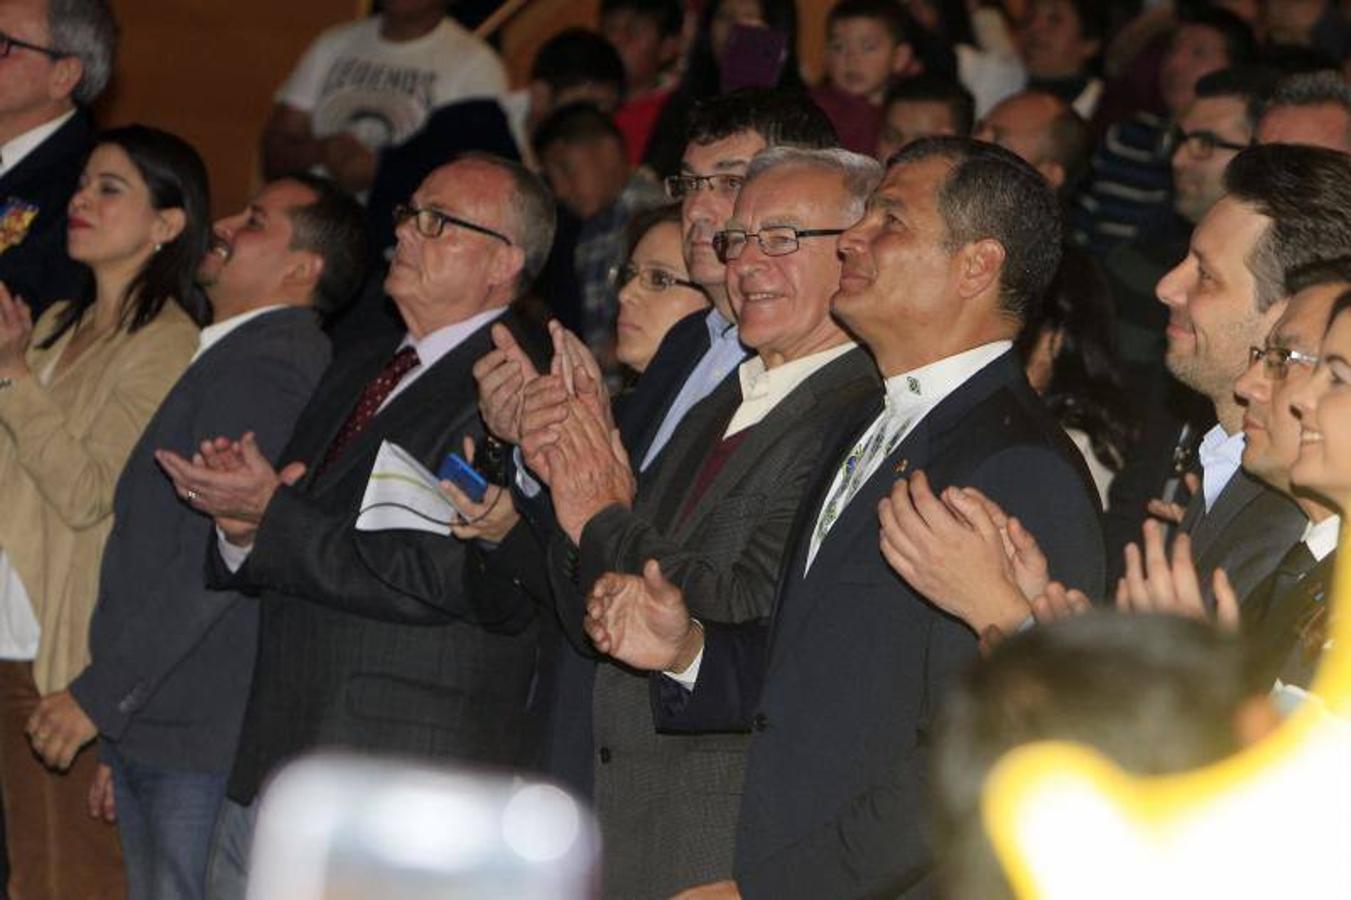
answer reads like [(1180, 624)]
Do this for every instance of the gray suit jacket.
[(172, 660), (1246, 533), (668, 803)]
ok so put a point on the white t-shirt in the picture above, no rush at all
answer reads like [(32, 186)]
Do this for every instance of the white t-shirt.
[(351, 79)]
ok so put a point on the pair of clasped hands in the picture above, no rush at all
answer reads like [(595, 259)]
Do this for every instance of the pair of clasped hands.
[(562, 422)]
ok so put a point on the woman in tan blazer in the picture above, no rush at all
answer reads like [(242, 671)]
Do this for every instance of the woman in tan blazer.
[(76, 390)]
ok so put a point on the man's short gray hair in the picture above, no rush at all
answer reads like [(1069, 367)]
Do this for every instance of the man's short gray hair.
[(861, 173), (86, 30), (1310, 89), (533, 212)]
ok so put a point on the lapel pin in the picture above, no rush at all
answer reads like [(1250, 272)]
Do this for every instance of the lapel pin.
[(901, 466)]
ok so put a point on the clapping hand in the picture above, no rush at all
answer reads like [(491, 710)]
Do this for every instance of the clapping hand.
[(951, 551), (1155, 584), (16, 332), (502, 376), (642, 621)]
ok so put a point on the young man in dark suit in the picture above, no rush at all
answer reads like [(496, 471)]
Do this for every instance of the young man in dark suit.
[(172, 659), (841, 685), (55, 59), (383, 641)]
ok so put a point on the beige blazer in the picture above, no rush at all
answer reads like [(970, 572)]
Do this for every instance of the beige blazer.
[(62, 449)]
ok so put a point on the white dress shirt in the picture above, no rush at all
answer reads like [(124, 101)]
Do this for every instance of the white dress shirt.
[(910, 397), (1321, 537), (1221, 455), (763, 389), (430, 348), (13, 151)]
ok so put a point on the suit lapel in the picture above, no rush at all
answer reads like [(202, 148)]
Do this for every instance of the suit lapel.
[(71, 138), (1208, 526)]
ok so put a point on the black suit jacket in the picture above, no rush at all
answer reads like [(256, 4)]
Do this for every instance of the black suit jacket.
[(841, 691), (1285, 624), (640, 412), (1246, 532), (38, 268), (387, 641), (172, 659)]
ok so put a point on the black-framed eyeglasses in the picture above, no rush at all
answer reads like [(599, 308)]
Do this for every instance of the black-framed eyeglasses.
[(431, 222), (1276, 360), (727, 185), (7, 43), (651, 278), (1203, 144), (776, 240)]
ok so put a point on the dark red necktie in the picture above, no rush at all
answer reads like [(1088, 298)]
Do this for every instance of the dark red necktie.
[(369, 404)]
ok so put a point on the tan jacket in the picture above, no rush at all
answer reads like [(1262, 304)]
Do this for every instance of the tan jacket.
[(62, 449)]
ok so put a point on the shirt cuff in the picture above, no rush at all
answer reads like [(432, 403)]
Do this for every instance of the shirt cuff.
[(525, 483), (233, 556), (690, 674)]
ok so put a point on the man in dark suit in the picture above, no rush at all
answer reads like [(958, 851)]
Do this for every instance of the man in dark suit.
[(701, 352), (54, 62), (717, 513), (383, 641), (841, 686), (171, 659)]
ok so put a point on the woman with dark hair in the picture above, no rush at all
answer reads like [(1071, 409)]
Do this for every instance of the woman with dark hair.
[(76, 390), (655, 290), (709, 69), (1067, 350)]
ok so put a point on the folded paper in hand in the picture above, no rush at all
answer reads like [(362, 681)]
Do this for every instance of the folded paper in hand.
[(402, 494)]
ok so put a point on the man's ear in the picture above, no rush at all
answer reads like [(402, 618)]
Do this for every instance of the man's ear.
[(1053, 172), (507, 265), (303, 271), (65, 77), (169, 224), (981, 264)]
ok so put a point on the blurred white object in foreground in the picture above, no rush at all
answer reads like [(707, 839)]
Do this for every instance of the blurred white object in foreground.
[(335, 827)]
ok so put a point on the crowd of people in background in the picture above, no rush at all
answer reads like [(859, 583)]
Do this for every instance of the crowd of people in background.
[(837, 437)]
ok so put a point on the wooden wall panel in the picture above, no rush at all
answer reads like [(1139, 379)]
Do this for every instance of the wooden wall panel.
[(207, 69)]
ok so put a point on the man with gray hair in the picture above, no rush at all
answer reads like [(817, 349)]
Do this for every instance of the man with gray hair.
[(1311, 108), (385, 640), (717, 515), (55, 59)]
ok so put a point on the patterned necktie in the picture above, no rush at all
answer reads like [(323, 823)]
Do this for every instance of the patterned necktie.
[(368, 405), (856, 468)]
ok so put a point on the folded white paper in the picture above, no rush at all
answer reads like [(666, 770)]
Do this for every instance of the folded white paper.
[(402, 494)]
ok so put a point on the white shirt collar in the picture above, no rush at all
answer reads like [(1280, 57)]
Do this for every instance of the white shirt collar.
[(1321, 537), (216, 332), (436, 344), (763, 389), (924, 387), (13, 151), (1221, 454)]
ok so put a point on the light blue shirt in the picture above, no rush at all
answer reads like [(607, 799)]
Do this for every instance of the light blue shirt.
[(1221, 455), (724, 354)]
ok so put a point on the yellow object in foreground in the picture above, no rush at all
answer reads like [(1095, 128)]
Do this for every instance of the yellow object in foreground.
[(1273, 821)]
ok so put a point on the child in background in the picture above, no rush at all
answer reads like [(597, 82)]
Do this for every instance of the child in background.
[(867, 46), (647, 34), (923, 106)]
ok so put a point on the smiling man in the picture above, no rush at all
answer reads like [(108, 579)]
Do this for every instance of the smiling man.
[(382, 641), (718, 513)]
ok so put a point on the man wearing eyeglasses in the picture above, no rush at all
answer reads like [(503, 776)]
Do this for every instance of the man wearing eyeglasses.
[(1274, 611), (382, 640), (55, 59)]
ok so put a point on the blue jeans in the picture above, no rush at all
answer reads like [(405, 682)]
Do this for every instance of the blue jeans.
[(165, 818)]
